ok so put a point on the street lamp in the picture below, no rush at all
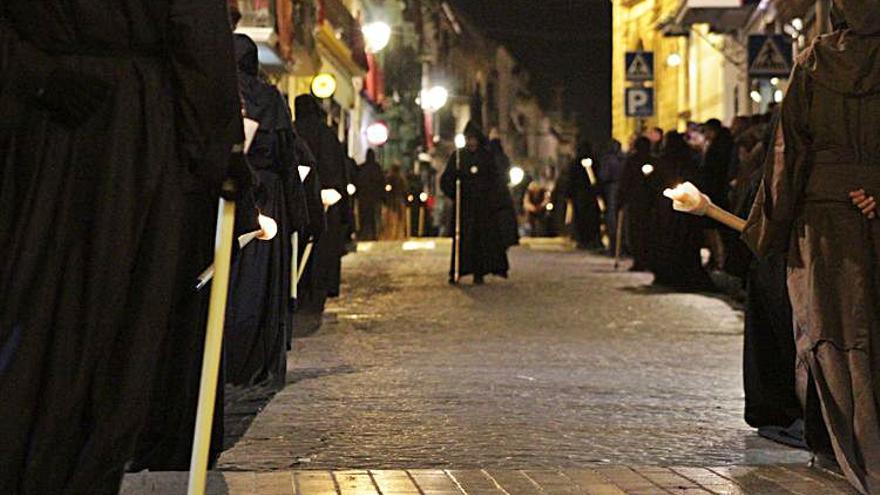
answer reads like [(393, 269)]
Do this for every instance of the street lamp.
[(377, 35), (434, 99), (460, 141)]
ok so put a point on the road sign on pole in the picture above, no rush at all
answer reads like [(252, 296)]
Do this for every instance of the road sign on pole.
[(770, 56), (639, 102), (639, 66)]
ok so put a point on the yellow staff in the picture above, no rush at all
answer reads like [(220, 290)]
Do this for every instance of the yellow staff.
[(213, 344)]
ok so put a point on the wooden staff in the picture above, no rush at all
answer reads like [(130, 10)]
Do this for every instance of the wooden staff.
[(294, 266), (618, 246), (198, 470), (457, 252), (686, 198)]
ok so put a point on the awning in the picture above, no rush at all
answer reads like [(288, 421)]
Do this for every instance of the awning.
[(723, 16)]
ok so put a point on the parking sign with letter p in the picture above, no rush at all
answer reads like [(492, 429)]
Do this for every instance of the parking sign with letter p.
[(639, 102)]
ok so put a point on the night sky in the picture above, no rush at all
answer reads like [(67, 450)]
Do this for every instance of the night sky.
[(558, 41)]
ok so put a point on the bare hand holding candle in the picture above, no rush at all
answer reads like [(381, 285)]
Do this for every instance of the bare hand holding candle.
[(686, 198)]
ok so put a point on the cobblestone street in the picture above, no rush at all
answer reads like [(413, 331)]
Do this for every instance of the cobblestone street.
[(566, 364), (569, 378)]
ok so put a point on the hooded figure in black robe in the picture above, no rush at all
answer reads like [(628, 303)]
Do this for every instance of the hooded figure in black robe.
[(771, 403), (370, 184), (637, 197), (584, 198), (504, 211), (676, 238), (483, 249), (110, 114), (258, 312), (324, 270)]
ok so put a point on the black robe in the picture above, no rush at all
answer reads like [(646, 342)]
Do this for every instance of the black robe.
[(584, 199), (90, 221), (676, 238), (638, 199), (370, 182), (323, 271), (505, 213), (258, 312), (769, 348), (325, 265), (483, 249)]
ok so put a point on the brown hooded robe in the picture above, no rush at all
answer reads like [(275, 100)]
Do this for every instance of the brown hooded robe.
[(827, 146)]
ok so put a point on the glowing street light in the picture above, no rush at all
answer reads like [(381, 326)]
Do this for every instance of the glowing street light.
[(778, 96), (324, 85), (377, 35), (756, 96), (460, 141), (434, 99), (377, 134), (673, 60), (517, 175)]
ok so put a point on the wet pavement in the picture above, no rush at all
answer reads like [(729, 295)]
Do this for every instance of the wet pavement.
[(566, 365)]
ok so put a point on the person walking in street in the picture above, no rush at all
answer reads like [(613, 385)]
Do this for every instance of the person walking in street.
[(258, 312), (480, 249), (610, 172), (713, 180), (676, 239), (638, 199), (584, 199), (816, 205), (394, 205), (105, 131), (370, 183), (505, 211), (323, 273)]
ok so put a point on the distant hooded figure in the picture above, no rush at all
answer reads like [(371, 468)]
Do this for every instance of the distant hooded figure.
[(638, 198), (483, 250), (827, 148), (584, 198), (112, 114), (505, 210), (324, 270), (370, 182)]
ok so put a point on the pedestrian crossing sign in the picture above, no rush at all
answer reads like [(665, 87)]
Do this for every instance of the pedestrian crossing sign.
[(770, 56), (639, 66)]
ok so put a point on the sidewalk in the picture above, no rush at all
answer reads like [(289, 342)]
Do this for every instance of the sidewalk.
[(600, 480)]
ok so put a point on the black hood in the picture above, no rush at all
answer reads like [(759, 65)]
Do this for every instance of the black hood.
[(246, 55), (474, 130), (307, 106)]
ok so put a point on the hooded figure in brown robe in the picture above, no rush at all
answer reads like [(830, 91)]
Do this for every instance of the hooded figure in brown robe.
[(827, 147)]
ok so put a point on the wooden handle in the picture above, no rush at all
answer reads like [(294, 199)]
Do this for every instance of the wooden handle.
[(726, 218)]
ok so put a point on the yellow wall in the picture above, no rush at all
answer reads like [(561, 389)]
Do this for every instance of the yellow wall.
[(698, 89)]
